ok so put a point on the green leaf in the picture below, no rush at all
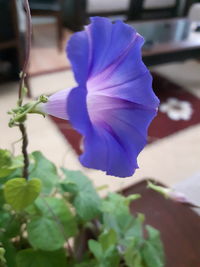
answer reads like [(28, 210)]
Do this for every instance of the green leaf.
[(132, 255), (10, 253), (2, 199), (135, 230), (44, 233), (111, 257), (76, 177), (17, 162), (107, 258), (87, 205), (4, 219), (44, 170), (86, 200), (5, 158), (13, 228), (108, 239), (96, 249), (153, 251), (8, 163), (127, 227), (116, 200), (55, 224), (2, 257), (37, 258), (20, 193), (151, 256), (118, 218), (69, 187), (5, 171), (9, 225), (154, 238), (87, 263)]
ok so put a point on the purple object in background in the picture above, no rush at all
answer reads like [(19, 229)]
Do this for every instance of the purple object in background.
[(114, 103)]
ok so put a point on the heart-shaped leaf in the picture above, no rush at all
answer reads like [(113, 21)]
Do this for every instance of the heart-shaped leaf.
[(20, 193)]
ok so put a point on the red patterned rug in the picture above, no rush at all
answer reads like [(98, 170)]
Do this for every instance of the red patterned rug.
[(178, 110)]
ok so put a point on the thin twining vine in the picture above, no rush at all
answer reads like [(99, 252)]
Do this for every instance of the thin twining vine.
[(19, 113)]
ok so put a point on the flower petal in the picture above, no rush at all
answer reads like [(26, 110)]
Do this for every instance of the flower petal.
[(107, 42), (77, 110), (118, 135), (126, 68), (104, 152), (78, 54), (138, 91), (129, 129), (95, 150), (57, 104), (102, 47), (114, 103)]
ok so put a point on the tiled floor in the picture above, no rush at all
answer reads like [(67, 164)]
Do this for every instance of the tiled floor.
[(45, 54)]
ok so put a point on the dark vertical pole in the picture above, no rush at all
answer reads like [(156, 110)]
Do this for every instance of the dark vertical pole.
[(135, 9)]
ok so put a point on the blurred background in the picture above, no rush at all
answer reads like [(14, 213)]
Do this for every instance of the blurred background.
[(171, 29)]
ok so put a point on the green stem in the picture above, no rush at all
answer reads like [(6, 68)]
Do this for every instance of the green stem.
[(21, 85)]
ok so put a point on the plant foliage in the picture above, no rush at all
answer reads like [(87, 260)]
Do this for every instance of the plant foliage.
[(59, 220)]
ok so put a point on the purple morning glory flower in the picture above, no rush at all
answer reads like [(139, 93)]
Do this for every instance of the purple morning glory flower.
[(114, 103)]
